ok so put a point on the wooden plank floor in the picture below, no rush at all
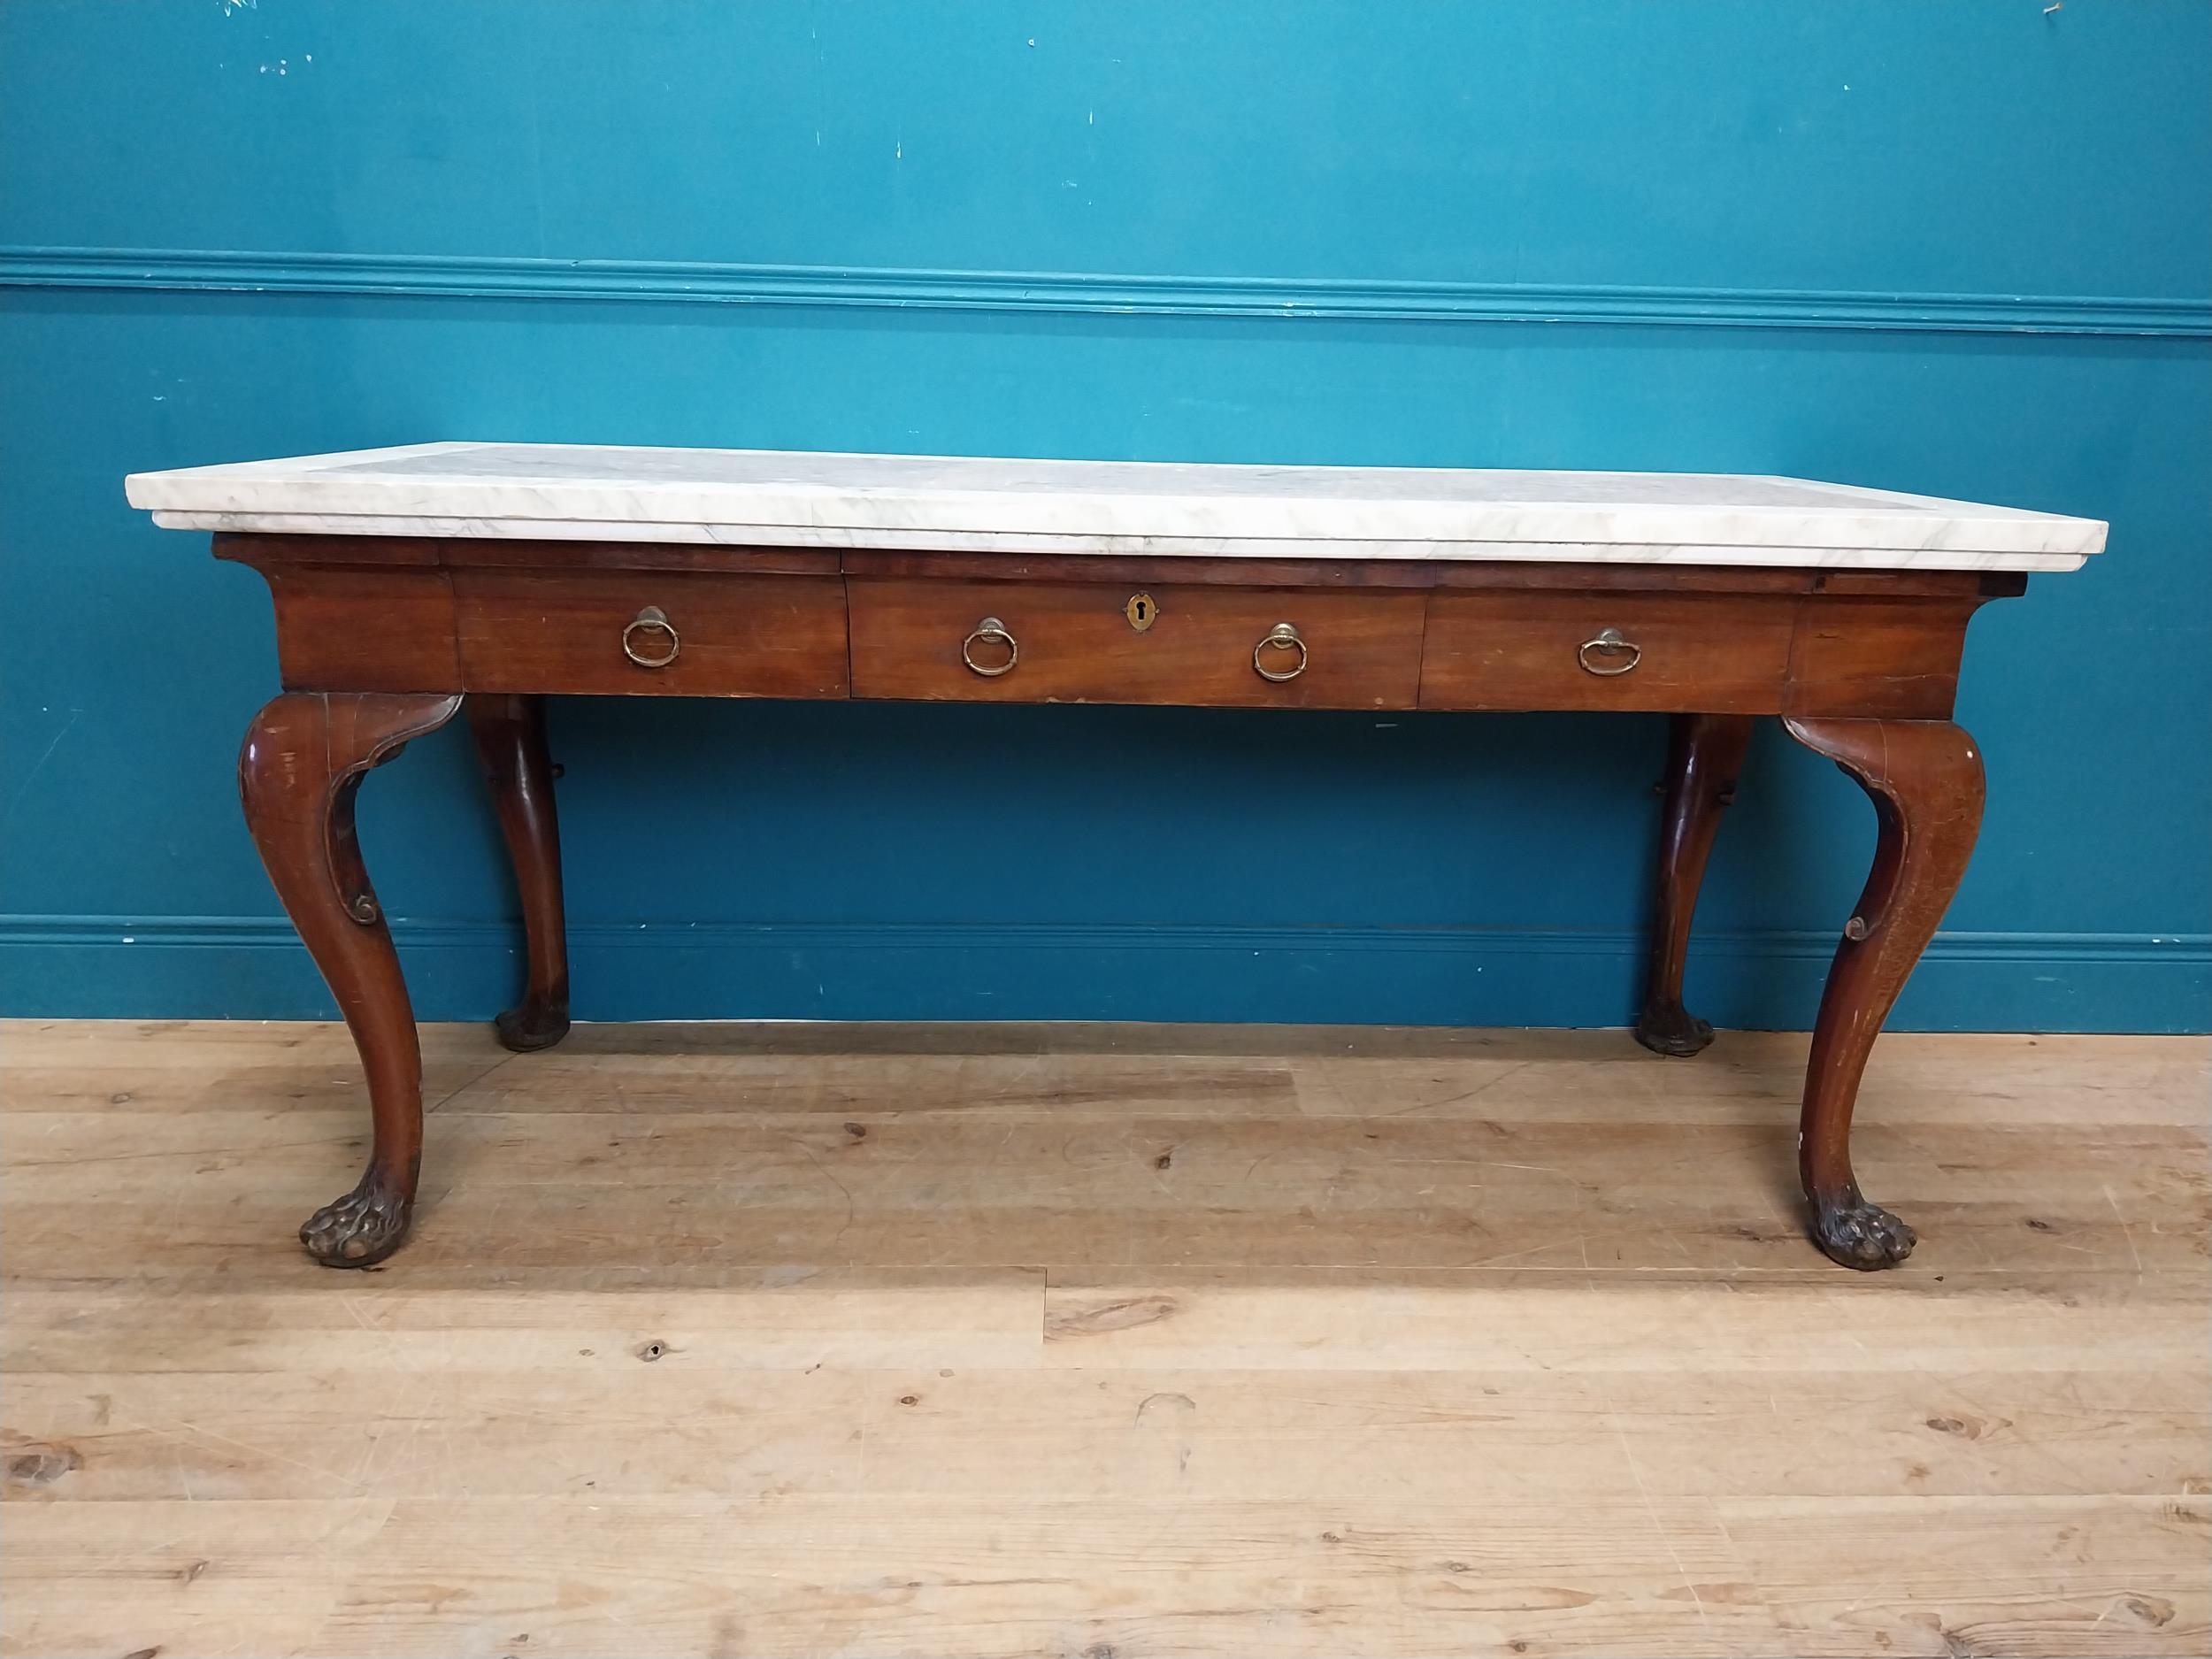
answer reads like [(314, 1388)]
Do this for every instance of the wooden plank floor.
[(1107, 1342)]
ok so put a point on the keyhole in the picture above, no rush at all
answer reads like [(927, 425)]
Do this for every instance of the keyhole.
[(1142, 610)]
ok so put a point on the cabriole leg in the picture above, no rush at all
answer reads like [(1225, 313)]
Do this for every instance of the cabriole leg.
[(1926, 779), (1705, 755), (510, 742), (303, 759)]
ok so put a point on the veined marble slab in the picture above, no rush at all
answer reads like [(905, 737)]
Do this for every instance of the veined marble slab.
[(802, 498)]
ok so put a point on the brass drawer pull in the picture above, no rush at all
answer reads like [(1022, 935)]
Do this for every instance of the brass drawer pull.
[(654, 618), (1281, 637), (990, 628), (1609, 640)]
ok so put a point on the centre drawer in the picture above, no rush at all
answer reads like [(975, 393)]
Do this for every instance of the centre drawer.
[(1098, 642), (1716, 653), (629, 632)]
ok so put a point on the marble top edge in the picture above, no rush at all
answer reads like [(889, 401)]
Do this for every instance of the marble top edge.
[(1046, 471), (741, 537), (823, 490)]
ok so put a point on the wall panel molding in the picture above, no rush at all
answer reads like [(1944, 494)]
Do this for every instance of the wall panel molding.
[(212, 966), (468, 277)]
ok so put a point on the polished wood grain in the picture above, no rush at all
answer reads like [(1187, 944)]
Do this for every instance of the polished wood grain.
[(1840, 654), (264, 549), (735, 636), (1705, 753), (1885, 656), (510, 733), (1076, 644), (1423, 1342), (1138, 570), (1722, 654), (1925, 778), (391, 613), (343, 628), (298, 773)]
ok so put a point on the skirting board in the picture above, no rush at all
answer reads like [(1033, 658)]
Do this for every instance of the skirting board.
[(254, 968)]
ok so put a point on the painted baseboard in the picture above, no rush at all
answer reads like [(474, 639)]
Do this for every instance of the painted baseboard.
[(253, 967), (493, 277)]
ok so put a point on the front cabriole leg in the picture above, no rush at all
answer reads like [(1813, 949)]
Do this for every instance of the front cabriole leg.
[(1925, 778), (303, 759)]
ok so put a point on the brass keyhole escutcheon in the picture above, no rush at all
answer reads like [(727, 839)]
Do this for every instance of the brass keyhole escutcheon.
[(1142, 611)]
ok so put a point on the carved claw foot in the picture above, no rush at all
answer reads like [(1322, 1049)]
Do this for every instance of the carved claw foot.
[(359, 1230), (1669, 1028), (1862, 1235), (530, 1025)]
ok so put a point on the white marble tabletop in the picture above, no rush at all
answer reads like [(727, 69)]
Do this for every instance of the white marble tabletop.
[(802, 498)]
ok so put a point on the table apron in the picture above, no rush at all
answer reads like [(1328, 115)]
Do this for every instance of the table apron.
[(415, 618)]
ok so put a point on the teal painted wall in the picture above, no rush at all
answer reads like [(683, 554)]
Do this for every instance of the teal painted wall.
[(1958, 249)]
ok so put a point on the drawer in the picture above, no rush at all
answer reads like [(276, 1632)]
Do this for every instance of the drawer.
[(1712, 653), (1081, 642), (624, 633)]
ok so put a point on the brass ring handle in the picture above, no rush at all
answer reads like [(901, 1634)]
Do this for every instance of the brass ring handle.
[(1282, 637), (1609, 640), (990, 628), (652, 617)]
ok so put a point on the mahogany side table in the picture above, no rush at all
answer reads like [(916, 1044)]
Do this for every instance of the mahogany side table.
[(413, 583)]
